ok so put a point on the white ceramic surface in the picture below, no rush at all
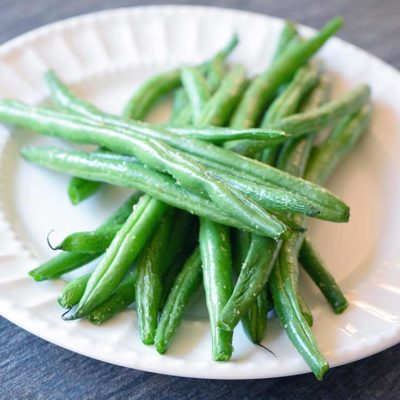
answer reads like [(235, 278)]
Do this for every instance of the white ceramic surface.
[(105, 56)]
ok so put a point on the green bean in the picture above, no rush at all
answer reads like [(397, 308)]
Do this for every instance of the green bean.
[(326, 157), (295, 325), (179, 102), (149, 279), (218, 110), (99, 239), (196, 89), (217, 278), (209, 154), (73, 292), (216, 72), (123, 296), (289, 32), (150, 92), (254, 321), (123, 250), (284, 105), (256, 267), (80, 189), (218, 135), (254, 274), (321, 117), (264, 87), (61, 264), (305, 310), (158, 155), (314, 266), (186, 283)]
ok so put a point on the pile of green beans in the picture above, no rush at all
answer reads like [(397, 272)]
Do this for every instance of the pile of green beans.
[(222, 197)]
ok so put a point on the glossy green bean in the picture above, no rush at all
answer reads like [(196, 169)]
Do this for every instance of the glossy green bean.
[(286, 104), (314, 266), (327, 156), (209, 155), (254, 320), (196, 89), (150, 92), (295, 325), (254, 273), (73, 291), (220, 107), (122, 297), (216, 261), (289, 31), (99, 239), (132, 175), (264, 87), (123, 250), (149, 278), (61, 264), (157, 155), (185, 285), (81, 189), (305, 310)]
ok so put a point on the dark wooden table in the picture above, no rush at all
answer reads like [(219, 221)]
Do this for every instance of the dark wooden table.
[(31, 368)]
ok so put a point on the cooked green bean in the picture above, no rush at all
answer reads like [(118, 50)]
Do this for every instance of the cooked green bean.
[(295, 325), (212, 155), (219, 108), (314, 266), (216, 72), (186, 283), (151, 264), (254, 274), (81, 189), (99, 239), (73, 292), (154, 154), (216, 261), (123, 250), (123, 296), (264, 87), (305, 310), (286, 104), (289, 32), (324, 116), (61, 264), (254, 320), (150, 92), (196, 89), (326, 157)]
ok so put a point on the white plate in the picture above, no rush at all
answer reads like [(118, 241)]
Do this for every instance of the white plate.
[(105, 55)]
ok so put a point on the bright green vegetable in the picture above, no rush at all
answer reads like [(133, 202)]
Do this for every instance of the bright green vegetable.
[(213, 156), (186, 283), (264, 87), (99, 239), (150, 92), (305, 310), (61, 264), (216, 260), (155, 154), (220, 107), (150, 266), (289, 32), (80, 189), (73, 292), (196, 89), (314, 266), (123, 250), (123, 296)]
